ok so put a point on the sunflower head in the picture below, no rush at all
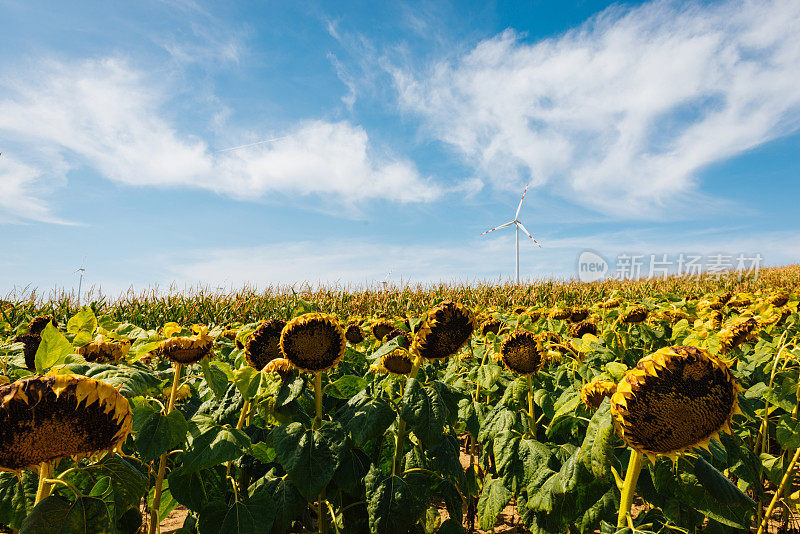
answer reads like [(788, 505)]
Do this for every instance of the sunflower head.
[(105, 351), (187, 350), (578, 314), (381, 328), (522, 352), (49, 417), (403, 337), (611, 303), (30, 344), (741, 301), (38, 323), (672, 316), (491, 325), (736, 334), (560, 313), (313, 342), (779, 299), (282, 366), (716, 318), (444, 331), (725, 297), (397, 362), (264, 344), (518, 310), (353, 334), (534, 315), (583, 327), (675, 399), (593, 393), (635, 315)]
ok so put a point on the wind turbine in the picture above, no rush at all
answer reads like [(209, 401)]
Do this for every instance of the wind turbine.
[(518, 227), (81, 270)]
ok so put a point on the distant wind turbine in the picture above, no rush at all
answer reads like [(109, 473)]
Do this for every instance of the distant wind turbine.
[(518, 227), (81, 270)]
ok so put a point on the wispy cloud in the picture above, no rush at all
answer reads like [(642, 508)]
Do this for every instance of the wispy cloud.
[(20, 193), (621, 113), (111, 117)]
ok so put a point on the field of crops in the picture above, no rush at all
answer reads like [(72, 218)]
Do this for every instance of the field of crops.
[(637, 407)]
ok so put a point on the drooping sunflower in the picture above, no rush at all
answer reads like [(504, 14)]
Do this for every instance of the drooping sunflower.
[(403, 337), (522, 352), (741, 301), (264, 344), (49, 417), (313, 342), (634, 315), (519, 309), (397, 362), (534, 315), (725, 297), (583, 327), (610, 303), (560, 313), (446, 328), (675, 399), (381, 328), (736, 334), (491, 325), (715, 319), (578, 314), (30, 344), (672, 316), (282, 366), (593, 393), (187, 350), (353, 334), (779, 299), (105, 351), (38, 323)]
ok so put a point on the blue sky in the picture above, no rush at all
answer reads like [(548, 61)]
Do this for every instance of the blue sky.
[(385, 137)]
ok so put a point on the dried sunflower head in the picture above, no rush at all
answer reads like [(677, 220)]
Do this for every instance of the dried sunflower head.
[(105, 351), (560, 313), (522, 352), (444, 331), (404, 338), (672, 316), (313, 342), (187, 350), (264, 344), (674, 400), (282, 366), (519, 309), (583, 327), (49, 417), (381, 329), (741, 301), (634, 315), (491, 325), (353, 334), (736, 334), (779, 299), (610, 303), (38, 323), (578, 314), (725, 297), (30, 346), (716, 318), (593, 393), (397, 362)]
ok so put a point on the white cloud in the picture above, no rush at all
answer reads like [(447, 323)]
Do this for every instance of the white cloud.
[(622, 112), (21, 195), (110, 117)]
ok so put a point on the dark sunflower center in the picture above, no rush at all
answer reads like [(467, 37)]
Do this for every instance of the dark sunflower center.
[(314, 346), (264, 344), (521, 353)]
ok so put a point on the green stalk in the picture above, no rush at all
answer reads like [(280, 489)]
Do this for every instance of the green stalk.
[(162, 463), (401, 425), (778, 492), (43, 490), (321, 525), (629, 487), (531, 415)]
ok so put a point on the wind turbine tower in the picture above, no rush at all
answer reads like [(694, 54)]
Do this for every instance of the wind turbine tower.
[(81, 270), (517, 227)]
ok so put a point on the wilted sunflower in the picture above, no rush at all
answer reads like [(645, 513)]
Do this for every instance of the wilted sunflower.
[(725, 297), (522, 352), (264, 344), (313, 342), (186, 349), (779, 299), (105, 351), (716, 318), (48, 417), (611, 303), (534, 315), (634, 315), (381, 329), (403, 337), (353, 334), (491, 325), (30, 344), (741, 301), (673, 400), (560, 313), (672, 316), (583, 327), (736, 334), (444, 331), (593, 393), (229, 333), (713, 304), (519, 309), (578, 314), (397, 362), (282, 366), (38, 323)]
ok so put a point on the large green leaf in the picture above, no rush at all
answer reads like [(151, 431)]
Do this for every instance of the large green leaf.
[(17, 495), (365, 417), (290, 505), (308, 457), (53, 349), (57, 515), (83, 325), (245, 516), (215, 378), (494, 497), (517, 459), (215, 445), (195, 489), (424, 412), (393, 503), (157, 433), (788, 432), (346, 387), (247, 380), (128, 483)]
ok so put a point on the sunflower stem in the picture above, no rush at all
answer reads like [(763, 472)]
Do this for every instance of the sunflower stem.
[(778, 492), (531, 415), (239, 425), (321, 525), (401, 424), (629, 487), (162, 462), (43, 490)]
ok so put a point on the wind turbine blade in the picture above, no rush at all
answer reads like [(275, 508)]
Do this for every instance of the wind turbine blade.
[(520, 202), (527, 233), (498, 227)]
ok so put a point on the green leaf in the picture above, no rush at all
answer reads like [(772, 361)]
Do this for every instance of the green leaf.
[(365, 417), (167, 503), (195, 489), (131, 381), (494, 497), (247, 380), (393, 504), (16, 497), (53, 349), (488, 375), (346, 387), (157, 433), (788, 432), (564, 411), (215, 378), (424, 412), (451, 526), (247, 516), (83, 324), (56, 515), (517, 459), (499, 419), (289, 504), (306, 456), (719, 486), (217, 445)]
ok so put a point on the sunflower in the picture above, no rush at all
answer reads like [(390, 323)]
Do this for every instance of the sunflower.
[(560, 313), (725, 297), (353, 334), (444, 331), (491, 325), (534, 315), (672, 316), (779, 299), (675, 399), (716, 318), (102, 351), (49, 417), (397, 362), (593, 393), (741, 301), (634, 315), (30, 344), (522, 352), (736, 334), (313, 342), (264, 344), (187, 349), (403, 337), (518, 310), (38, 323), (381, 329), (578, 314), (282, 366), (610, 303), (583, 327)]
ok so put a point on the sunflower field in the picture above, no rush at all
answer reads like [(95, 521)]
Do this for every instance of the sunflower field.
[(672, 407)]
